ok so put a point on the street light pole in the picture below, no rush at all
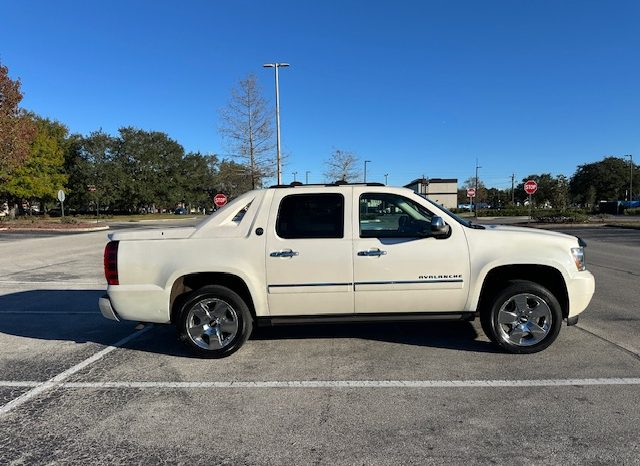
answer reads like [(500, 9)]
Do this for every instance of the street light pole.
[(278, 158), (475, 207), (306, 177), (386, 176), (630, 176), (365, 169), (294, 176)]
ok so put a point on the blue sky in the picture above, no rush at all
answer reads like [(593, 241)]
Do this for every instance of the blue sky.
[(417, 87)]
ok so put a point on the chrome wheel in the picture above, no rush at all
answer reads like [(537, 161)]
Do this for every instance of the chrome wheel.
[(212, 324), (524, 320)]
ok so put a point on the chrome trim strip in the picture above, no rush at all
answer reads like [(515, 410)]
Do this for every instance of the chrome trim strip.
[(406, 282), (390, 282), (285, 285)]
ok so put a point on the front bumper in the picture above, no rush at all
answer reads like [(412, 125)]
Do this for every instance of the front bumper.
[(580, 289), (107, 310)]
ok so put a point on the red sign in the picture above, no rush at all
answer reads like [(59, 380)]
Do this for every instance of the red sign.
[(530, 187), (471, 192), (219, 200)]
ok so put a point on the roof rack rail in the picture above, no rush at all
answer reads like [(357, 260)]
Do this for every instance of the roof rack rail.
[(295, 184)]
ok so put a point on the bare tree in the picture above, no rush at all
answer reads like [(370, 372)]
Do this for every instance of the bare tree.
[(247, 130), (342, 166)]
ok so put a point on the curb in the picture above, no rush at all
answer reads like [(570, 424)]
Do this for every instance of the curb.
[(116, 221), (626, 227), (550, 226), (58, 230), (164, 220)]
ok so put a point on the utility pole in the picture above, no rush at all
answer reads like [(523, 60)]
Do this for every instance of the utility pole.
[(365, 169), (630, 176), (294, 175), (278, 158), (386, 176), (306, 177), (475, 207), (513, 188)]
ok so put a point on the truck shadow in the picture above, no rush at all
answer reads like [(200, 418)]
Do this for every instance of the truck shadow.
[(448, 335), (73, 315)]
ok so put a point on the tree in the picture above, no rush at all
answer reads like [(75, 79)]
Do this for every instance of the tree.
[(247, 130), (16, 128), (42, 173), (96, 179), (150, 162), (497, 197), (606, 180), (198, 179), (342, 166), (481, 191), (560, 193), (232, 178), (544, 194)]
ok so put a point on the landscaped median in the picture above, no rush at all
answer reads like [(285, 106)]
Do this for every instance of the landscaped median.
[(59, 225)]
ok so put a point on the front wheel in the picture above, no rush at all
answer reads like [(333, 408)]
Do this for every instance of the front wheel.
[(524, 318), (214, 321)]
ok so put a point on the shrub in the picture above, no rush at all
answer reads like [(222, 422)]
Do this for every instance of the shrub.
[(632, 211), (556, 216)]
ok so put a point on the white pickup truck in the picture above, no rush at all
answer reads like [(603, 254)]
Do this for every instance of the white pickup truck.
[(344, 253)]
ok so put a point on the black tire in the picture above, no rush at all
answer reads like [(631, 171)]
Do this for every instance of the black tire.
[(536, 315), (208, 334)]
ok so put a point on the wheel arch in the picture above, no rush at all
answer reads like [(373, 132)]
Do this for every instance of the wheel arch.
[(193, 281), (544, 275)]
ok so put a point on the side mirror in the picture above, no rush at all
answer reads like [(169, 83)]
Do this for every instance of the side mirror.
[(439, 229)]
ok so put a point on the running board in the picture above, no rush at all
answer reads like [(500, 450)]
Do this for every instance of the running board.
[(364, 318)]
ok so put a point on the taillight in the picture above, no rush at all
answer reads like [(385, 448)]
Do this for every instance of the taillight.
[(111, 262)]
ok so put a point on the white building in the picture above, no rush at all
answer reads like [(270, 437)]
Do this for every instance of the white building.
[(443, 191)]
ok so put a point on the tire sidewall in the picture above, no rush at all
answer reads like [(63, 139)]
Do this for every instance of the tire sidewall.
[(492, 327), (245, 321)]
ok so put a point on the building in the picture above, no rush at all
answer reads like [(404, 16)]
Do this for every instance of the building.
[(443, 191)]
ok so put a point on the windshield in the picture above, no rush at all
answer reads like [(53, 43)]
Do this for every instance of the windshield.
[(460, 220)]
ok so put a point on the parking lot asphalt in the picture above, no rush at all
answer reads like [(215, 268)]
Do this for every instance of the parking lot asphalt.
[(77, 388)]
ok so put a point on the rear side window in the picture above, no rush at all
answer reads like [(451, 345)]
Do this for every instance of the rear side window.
[(240, 215), (311, 216)]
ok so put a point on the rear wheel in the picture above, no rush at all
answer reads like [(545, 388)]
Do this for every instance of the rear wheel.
[(524, 318), (214, 321)]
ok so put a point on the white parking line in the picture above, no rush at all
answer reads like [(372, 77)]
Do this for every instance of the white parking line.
[(51, 313), (344, 383), (66, 284), (61, 377)]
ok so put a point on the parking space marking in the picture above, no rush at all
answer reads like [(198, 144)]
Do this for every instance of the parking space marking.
[(596, 333), (65, 284), (61, 377), (49, 313), (349, 383), (18, 383)]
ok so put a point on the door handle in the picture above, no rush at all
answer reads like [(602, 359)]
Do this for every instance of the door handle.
[(372, 252), (284, 253)]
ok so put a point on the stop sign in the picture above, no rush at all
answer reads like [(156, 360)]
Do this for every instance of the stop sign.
[(471, 192), (219, 200), (530, 187)]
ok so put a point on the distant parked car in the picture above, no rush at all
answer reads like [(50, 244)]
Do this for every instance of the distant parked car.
[(181, 211)]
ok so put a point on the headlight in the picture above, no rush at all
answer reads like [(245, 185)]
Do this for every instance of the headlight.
[(578, 258)]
